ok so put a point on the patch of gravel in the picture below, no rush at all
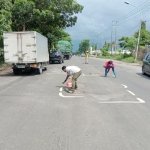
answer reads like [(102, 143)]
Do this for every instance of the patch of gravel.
[(5, 69)]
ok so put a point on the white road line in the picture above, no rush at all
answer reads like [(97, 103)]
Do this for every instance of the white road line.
[(90, 75), (122, 102), (141, 101), (73, 96), (124, 86), (131, 92), (60, 94), (61, 89)]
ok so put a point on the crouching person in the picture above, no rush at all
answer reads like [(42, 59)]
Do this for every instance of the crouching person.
[(75, 72), (109, 65)]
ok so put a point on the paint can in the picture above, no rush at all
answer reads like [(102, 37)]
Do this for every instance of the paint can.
[(69, 84)]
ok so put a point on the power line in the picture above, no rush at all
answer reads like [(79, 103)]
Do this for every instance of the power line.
[(130, 30), (144, 7)]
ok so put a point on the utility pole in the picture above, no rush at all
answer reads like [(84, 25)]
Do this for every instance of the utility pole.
[(116, 35), (112, 38)]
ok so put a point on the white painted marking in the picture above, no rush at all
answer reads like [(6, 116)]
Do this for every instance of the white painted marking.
[(141, 101), (60, 94), (130, 92), (122, 102), (61, 89), (91, 75), (124, 86)]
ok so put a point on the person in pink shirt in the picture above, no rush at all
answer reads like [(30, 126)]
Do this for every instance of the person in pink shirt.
[(109, 65)]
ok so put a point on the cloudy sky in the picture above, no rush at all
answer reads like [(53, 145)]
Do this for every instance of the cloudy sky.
[(100, 17)]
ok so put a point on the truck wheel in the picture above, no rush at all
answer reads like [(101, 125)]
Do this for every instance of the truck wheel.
[(16, 72)]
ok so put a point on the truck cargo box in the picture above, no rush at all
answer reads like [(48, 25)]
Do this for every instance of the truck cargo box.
[(26, 51), (25, 47)]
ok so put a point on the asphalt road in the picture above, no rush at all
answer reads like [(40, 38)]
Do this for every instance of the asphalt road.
[(37, 113)]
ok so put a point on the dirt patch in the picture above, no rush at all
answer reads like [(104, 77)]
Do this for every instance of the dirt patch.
[(5, 69)]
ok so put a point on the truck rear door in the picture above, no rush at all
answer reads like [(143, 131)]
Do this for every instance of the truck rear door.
[(28, 47), (20, 47), (10, 48)]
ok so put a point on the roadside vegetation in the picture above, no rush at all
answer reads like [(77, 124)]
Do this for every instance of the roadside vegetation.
[(124, 50), (49, 17)]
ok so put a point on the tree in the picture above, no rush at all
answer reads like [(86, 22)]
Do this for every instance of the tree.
[(47, 17), (22, 13), (84, 45), (144, 36), (5, 18), (127, 42), (104, 51)]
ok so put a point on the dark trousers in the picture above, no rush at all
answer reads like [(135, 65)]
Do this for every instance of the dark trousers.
[(107, 69)]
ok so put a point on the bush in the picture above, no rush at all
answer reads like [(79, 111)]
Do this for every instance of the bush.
[(118, 57), (105, 53), (129, 59), (125, 55), (1, 60)]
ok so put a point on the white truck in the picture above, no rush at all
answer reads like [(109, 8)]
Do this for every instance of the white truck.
[(26, 50)]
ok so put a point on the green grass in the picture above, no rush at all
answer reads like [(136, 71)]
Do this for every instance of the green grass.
[(128, 59)]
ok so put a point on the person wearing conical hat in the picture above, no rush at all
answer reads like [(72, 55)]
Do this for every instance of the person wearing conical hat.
[(86, 57)]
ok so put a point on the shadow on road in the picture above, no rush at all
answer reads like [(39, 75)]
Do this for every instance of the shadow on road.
[(144, 76), (65, 88), (10, 74)]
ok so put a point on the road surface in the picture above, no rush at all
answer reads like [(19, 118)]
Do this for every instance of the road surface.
[(37, 113)]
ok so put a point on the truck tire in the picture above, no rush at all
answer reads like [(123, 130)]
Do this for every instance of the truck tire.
[(16, 71)]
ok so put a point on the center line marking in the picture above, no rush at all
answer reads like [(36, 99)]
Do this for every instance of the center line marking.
[(131, 92), (124, 86)]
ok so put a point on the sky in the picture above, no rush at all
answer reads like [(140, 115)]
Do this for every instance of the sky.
[(102, 18)]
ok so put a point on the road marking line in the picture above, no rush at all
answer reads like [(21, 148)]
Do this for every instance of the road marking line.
[(61, 89), (60, 94), (124, 86), (141, 101), (119, 102), (131, 92), (90, 75)]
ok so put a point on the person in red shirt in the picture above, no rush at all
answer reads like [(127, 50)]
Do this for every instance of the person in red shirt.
[(109, 65)]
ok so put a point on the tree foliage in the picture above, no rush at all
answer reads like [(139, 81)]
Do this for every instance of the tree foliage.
[(22, 14), (48, 17), (84, 46), (5, 17), (128, 42), (144, 37)]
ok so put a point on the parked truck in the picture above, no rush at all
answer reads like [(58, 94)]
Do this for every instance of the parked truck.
[(26, 51), (66, 48)]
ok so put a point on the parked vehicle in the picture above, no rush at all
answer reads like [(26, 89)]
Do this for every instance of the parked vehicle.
[(82, 55), (26, 51), (66, 48), (56, 56), (146, 64)]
